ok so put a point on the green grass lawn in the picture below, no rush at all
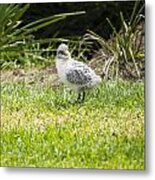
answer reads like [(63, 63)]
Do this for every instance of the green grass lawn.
[(40, 128)]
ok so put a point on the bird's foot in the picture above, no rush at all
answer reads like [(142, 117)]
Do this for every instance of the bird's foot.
[(80, 98), (75, 101), (72, 101)]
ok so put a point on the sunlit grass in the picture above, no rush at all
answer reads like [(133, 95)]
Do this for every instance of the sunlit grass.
[(40, 128)]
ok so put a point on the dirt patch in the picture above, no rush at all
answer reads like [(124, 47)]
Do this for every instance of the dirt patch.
[(44, 77)]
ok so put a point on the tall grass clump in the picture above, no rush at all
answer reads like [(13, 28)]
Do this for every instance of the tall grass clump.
[(16, 37), (123, 54)]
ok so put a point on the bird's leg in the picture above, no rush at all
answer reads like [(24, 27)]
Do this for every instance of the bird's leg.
[(83, 96), (79, 97)]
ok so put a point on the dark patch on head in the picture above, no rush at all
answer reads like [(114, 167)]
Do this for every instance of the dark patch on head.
[(62, 52)]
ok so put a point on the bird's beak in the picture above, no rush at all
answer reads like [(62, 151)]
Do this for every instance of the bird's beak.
[(66, 53)]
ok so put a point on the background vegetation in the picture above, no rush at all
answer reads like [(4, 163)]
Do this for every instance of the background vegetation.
[(94, 18), (110, 34), (39, 127)]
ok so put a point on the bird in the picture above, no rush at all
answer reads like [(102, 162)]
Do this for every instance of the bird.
[(77, 75)]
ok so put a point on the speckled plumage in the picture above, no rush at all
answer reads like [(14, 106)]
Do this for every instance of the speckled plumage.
[(77, 75)]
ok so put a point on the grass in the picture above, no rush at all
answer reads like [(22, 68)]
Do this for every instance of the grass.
[(39, 128)]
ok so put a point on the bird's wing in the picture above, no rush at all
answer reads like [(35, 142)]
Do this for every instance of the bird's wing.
[(79, 74)]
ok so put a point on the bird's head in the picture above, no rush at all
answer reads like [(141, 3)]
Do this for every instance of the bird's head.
[(63, 52)]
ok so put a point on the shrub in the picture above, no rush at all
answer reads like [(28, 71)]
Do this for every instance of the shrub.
[(123, 54)]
